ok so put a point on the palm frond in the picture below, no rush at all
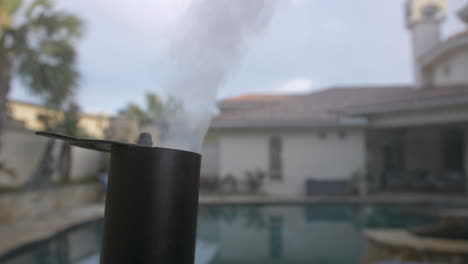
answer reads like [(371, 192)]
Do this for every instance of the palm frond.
[(154, 105), (7, 9), (61, 25), (36, 5), (45, 52), (14, 5), (55, 82)]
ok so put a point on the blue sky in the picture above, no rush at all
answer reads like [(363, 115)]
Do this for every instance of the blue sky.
[(308, 45)]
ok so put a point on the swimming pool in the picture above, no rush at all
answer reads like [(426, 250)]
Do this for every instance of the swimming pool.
[(292, 234)]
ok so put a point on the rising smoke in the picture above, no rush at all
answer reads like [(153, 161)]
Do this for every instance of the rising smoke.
[(211, 39)]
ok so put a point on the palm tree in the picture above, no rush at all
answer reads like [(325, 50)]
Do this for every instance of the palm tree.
[(151, 114), (69, 125), (37, 47), (156, 112)]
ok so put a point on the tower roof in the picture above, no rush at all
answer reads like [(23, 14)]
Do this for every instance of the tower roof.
[(422, 11)]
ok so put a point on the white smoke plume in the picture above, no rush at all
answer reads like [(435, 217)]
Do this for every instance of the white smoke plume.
[(211, 38)]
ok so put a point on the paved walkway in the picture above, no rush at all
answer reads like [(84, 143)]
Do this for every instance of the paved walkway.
[(385, 198), (19, 233)]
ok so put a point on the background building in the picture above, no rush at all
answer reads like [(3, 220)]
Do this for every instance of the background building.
[(409, 138), (29, 115)]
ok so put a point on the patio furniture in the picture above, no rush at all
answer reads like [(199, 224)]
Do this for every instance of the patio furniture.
[(326, 187), (399, 262)]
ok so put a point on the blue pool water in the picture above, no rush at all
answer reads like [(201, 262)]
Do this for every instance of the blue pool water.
[(312, 234)]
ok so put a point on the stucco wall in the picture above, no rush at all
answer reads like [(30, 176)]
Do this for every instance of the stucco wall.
[(85, 163), (19, 154), (210, 158), (305, 156), (242, 151), (28, 114), (452, 69), (21, 151)]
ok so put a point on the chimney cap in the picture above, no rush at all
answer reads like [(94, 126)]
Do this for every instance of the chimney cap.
[(145, 139), (463, 13), (425, 11)]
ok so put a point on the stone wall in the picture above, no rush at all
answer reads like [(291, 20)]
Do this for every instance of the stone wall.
[(35, 204)]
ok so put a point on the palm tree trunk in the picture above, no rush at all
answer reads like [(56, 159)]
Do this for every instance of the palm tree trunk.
[(6, 64), (42, 175), (64, 164)]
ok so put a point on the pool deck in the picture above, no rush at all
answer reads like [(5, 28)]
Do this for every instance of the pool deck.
[(18, 233), (400, 244), (400, 238), (384, 198)]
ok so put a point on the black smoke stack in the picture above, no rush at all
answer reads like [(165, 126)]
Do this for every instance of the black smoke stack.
[(151, 202)]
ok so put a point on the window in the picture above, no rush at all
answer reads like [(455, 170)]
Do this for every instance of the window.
[(276, 166)]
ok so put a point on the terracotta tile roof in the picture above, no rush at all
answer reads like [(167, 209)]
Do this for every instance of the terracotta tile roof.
[(332, 104), (412, 98), (460, 34), (249, 101), (454, 43)]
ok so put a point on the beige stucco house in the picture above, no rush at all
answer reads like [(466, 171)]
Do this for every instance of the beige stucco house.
[(19, 144), (412, 138), (29, 115), (22, 150)]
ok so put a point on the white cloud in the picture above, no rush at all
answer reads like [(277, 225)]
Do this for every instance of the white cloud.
[(296, 85)]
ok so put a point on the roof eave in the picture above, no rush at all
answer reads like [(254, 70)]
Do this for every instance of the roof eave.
[(341, 122), (450, 45), (392, 107)]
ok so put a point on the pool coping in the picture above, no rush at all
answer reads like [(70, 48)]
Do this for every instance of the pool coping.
[(389, 199), (402, 238)]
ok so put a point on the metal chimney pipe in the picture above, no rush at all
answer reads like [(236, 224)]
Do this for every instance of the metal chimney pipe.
[(151, 202)]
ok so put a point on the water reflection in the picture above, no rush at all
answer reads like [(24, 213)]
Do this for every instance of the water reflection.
[(315, 234), (296, 234), (276, 237)]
